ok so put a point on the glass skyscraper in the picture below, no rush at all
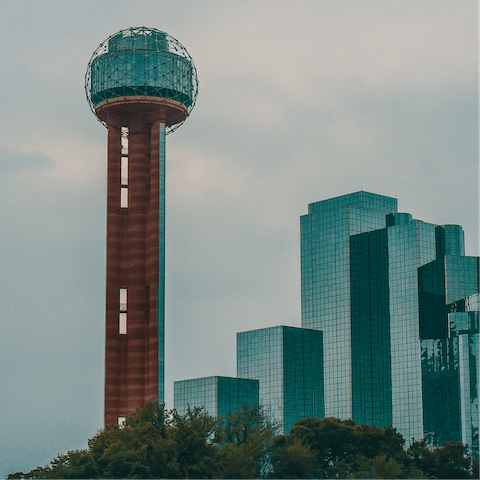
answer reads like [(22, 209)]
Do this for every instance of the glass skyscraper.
[(400, 347), (450, 349), (325, 270), (218, 395), (288, 363), (386, 368)]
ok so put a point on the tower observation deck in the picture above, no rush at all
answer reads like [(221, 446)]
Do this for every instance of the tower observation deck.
[(141, 84)]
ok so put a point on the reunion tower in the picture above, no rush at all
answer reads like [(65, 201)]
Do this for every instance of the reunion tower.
[(141, 84)]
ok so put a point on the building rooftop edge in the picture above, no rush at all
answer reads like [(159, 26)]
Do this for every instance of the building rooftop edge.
[(359, 198), (279, 326), (214, 377)]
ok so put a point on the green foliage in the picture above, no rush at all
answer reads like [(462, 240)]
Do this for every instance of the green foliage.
[(291, 458), (193, 452), (246, 440), (452, 461), (154, 443), (448, 461), (343, 449)]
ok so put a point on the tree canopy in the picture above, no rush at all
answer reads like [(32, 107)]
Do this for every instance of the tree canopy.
[(155, 443)]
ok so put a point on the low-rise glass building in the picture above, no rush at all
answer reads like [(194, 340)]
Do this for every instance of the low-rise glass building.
[(218, 395), (288, 362)]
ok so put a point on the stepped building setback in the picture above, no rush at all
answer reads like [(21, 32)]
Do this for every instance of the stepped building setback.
[(395, 299), (390, 327)]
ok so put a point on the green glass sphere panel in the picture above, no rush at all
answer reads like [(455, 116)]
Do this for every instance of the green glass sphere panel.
[(142, 73)]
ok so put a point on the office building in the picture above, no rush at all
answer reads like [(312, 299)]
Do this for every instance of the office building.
[(141, 84), (287, 361), (325, 289), (386, 367), (388, 300), (449, 317), (218, 395)]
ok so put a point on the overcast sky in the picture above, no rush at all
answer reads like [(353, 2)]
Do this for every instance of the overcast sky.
[(298, 101)]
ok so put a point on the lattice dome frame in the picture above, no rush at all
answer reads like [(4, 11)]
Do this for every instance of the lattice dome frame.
[(141, 61)]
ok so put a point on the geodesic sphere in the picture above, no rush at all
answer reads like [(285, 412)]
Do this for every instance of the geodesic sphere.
[(141, 62)]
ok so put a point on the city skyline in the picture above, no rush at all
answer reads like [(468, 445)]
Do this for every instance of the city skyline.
[(323, 101), (393, 304)]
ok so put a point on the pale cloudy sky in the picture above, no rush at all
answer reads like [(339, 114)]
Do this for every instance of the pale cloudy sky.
[(299, 101)]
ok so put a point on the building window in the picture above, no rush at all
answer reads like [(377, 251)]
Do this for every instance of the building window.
[(124, 197), (123, 299), (122, 323), (124, 140), (121, 420), (124, 171)]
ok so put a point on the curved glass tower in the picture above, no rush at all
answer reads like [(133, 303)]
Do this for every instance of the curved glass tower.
[(141, 84)]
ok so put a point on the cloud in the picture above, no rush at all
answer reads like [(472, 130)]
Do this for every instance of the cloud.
[(12, 162)]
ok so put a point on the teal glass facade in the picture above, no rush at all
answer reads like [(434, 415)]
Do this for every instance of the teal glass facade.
[(370, 317), (139, 62), (287, 361), (442, 282), (218, 395), (391, 295), (325, 289), (450, 372), (449, 309), (386, 367)]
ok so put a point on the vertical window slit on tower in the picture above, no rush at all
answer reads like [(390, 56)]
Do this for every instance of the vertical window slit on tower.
[(122, 323), (124, 197), (122, 316), (124, 140), (123, 299), (124, 170), (124, 167)]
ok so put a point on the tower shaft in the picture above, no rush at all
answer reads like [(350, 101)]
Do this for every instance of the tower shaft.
[(143, 81), (135, 267)]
